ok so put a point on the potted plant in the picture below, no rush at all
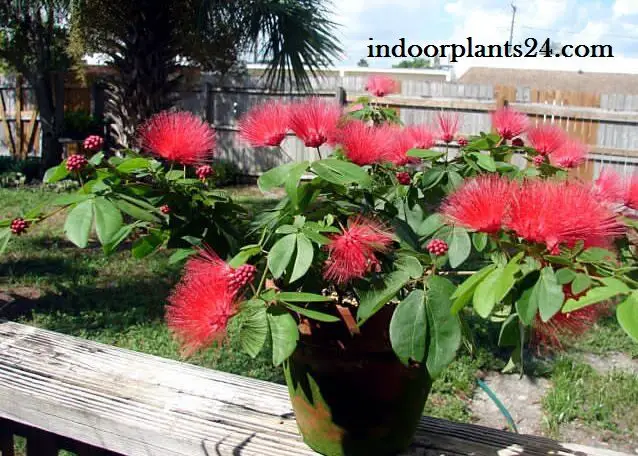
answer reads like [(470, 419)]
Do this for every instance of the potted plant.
[(356, 274)]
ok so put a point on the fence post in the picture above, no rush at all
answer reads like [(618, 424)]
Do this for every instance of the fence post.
[(342, 96), (210, 104), (18, 119), (6, 439)]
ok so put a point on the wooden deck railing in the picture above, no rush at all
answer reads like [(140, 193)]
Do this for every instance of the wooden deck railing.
[(62, 392)]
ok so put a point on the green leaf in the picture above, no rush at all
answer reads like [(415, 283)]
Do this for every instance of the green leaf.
[(131, 165), (287, 229), (303, 260), (284, 332), (580, 283), (253, 329), (410, 265), (460, 246), (593, 296), (275, 177), (463, 294), (408, 328), (341, 172), (55, 174), (596, 255), (78, 223), (108, 219), (627, 315), (146, 245), (484, 161), (430, 225), (117, 239), (292, 181), (180, 255), (454, 180), (297, 296), (444, 328), (372, 300), (65, 200), (96, 159), (527, 301), (480, 241), (243, 256), (5, 236), (313, 314), (495, 287), (548, 293), (316, 237), (432, 177), (281, 254), (565, 275), (136, 211), (425, 154), (510, 334)]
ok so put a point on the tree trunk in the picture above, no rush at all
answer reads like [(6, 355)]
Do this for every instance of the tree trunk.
[(50, 122)]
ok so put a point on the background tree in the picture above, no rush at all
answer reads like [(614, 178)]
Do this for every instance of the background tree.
[(414, 63), (33, 38), (146, 41), (363, 63)]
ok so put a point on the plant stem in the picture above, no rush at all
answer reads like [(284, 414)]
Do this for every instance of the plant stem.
[(319, 153), (262, 281)]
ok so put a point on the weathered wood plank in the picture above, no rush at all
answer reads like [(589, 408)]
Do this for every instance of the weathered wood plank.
[(136, 404)]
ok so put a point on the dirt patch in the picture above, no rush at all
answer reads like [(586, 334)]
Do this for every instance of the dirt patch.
[(611, 361), (18, 301), (521, 396), (578, 433)]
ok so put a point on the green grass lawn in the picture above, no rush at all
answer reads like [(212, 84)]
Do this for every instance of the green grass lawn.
[(120, 301)]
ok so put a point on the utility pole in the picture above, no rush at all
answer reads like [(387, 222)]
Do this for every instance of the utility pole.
[(512, 26)]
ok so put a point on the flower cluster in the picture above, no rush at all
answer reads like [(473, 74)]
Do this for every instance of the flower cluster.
[(93, 143), (19, 226), (352, 253), (544, 212), (205, 299), (203, 172), (437, 247), (76, 162), (165, 209), (314, 121)]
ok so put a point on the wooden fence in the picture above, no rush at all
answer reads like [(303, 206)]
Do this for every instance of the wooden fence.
[(608, 123)]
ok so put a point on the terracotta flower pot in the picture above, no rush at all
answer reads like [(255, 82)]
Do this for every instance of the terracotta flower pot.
[(351, 395)]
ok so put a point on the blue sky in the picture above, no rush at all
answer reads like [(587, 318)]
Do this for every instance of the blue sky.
[(423, 22)]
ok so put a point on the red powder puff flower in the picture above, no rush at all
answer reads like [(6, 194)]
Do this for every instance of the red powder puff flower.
[(546, 139), (364, 144), (402, 141), (165, 209), (422, 136), (554, 213), (509, 123), (380, 86), (204, 300), (448, 126), (546, 336), (610, 187), (179, 137), (265, 125), (539, 160), (462, 141), (479, 204), (570, 155), (631, 192), (93, 143), (314, 121), (351, 255)]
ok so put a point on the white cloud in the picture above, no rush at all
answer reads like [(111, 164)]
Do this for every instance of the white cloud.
[(625, 7)]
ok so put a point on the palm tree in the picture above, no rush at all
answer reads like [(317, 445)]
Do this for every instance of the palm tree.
[(146, 40)]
